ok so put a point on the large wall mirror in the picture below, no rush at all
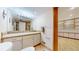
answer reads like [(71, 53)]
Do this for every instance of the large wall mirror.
[(22, 25)]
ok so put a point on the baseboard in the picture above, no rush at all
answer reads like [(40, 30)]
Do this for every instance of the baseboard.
[(37, 45), (44, 46)]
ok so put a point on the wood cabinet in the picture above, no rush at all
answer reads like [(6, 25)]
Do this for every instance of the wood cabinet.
[(27, 41), (36, 39), (17, 42), (31, 40), (21, 42)]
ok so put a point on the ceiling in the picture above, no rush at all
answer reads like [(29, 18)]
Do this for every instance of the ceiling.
[(29, 12), (68, 13)]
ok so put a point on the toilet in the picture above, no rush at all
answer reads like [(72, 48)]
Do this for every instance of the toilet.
[(28, 49), (6, 46)]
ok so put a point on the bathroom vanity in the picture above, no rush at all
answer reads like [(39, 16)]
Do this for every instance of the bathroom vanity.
[(22, 40)]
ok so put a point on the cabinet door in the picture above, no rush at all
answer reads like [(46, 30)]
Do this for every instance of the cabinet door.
[(36, 39), (17, 42), (27, 41)]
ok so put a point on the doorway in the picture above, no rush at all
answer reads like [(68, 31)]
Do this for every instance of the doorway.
[(68, 29)]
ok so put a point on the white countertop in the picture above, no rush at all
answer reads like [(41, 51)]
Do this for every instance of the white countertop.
[(19, 34)]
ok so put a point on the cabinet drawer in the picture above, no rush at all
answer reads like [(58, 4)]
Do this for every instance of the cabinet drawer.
[(9, 40), (28, 37), (12, 39)]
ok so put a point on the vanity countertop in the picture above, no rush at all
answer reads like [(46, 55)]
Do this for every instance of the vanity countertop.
[(19, 34)]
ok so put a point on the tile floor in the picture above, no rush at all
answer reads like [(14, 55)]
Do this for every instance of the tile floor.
[(41, 48), (66, 44)]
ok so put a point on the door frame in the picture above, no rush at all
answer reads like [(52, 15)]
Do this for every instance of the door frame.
[(55, 31)]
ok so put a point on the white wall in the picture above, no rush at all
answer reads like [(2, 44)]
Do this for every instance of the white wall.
[(9, 21), (2, 21), (46, 20), (5, 24), (21, 26)]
